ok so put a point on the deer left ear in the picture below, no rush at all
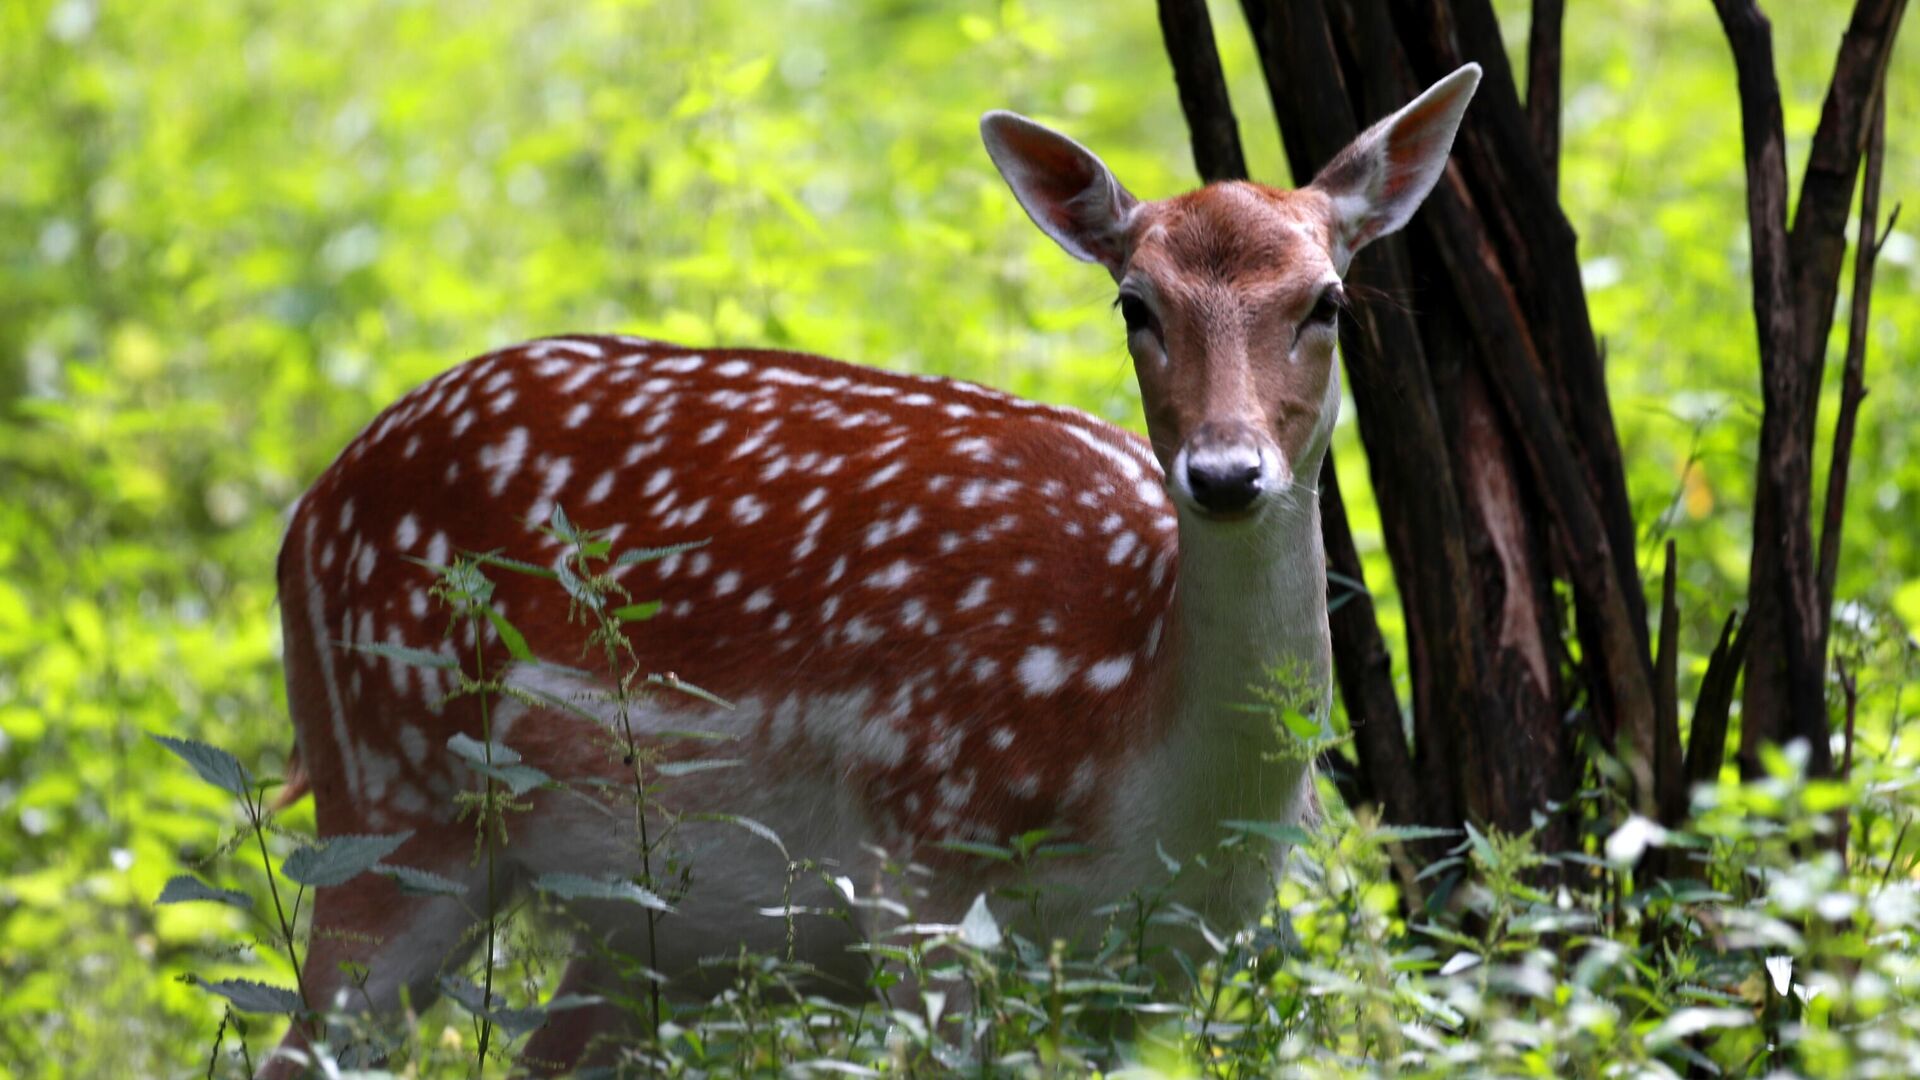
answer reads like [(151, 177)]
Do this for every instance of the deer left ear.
[(1379, 180), (1065, 189)]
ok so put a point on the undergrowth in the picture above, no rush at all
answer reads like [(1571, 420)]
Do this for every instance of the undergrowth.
[(1765, 946)]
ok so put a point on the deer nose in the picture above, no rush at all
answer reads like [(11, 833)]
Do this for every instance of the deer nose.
[(1224, 479)]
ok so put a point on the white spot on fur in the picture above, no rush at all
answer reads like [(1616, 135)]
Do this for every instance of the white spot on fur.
[(746, 509), (1108, 674), (1043, 670), (892, 576), (503, 459), (975, 595)]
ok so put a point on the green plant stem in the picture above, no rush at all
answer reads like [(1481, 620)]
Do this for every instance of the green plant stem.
[(255, 817), (486, 839)]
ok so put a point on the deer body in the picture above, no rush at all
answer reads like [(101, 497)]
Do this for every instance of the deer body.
[(940, 612)]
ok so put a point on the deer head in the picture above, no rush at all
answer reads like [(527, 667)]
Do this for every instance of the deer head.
[(1232, 294)]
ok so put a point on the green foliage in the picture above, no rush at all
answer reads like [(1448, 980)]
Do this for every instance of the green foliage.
[(230, 233)]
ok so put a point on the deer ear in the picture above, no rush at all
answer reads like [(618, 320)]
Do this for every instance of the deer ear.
[(1065, 189), (1378, 181)]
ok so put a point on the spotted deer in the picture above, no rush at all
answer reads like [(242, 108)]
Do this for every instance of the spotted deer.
[(939, 612)]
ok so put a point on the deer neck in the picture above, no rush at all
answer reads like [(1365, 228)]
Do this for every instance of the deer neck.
[(1251, 601)]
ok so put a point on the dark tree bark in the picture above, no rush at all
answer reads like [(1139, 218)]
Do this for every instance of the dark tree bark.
[(1543, 83), (1188, 31), (1795, 283), (1853, 387)]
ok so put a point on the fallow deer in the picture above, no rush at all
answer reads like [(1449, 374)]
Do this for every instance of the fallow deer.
[(940, 612)]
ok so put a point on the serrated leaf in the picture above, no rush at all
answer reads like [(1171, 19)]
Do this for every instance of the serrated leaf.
[(979, 929), (1277, 831), (254, 997), (685, 768), (974, 847), (410, 657), (516, 565), (642, 555), (1689, 1022), (752, 826), (510, 636), (687, 688), (185, 889), (416, 882), (582, 595), (214, 765), (581, 887), (505, 767), (1402, 833), (640, 612), (339, 859), (1299, 724), (479, 753)]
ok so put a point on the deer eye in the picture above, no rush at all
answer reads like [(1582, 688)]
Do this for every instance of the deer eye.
[(1326, 310), (1135, 311)]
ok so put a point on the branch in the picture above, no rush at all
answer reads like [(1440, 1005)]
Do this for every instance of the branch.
[(1188, 32), (1819, 244), (1785, 695), (1669, 768), (1708, 748), (1365, 673), (1504, 170), (1852, 379), (1543, 83), (1751, 38)]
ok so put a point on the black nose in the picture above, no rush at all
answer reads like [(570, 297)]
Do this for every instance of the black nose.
[(1225, 479)]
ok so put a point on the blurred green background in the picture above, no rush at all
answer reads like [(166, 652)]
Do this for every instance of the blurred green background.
[(231, 231)]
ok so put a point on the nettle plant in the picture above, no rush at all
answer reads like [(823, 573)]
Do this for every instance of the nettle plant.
[(1758, 947), (1026, 1003)]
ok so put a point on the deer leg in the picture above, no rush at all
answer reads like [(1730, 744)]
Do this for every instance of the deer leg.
[(588, 1036), (370, 942)]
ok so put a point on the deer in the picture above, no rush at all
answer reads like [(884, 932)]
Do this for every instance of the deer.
[(937, 611)]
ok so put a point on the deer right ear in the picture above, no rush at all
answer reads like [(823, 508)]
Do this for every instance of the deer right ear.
[(1064, 188), (1382, 178)]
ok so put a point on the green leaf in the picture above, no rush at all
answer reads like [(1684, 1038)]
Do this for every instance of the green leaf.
[(410, 657), (1400, 834), (510, 636), (185, 888), (685, 768), (513, 1023), (643, 555), (215, 766), (752, 826), (979, 929), (640, 612), (582, 594), (502, 763), (1300, 724), (1690, 1022), (581, 887), (516, 565), (1278, 831), (677, 685), (985, 851), (254, 997), (416, 882), (339, 859)]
